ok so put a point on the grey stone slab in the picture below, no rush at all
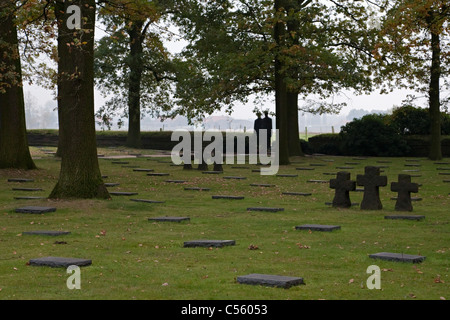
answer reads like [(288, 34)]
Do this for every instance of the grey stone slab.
[(46, 233), (317, 164), (412, 198), (59, 262), (120, 162), (111, 184), (209, 243), (169, 219), (143, 170), (305, 194), (126, 194), (287, 175), (21, 180), (318, 181), (405, 217), (446, 181), (412, 165), (158, 174), (306, 169), (442, 163), (35, 210), (146, 201), (411, 170), (235, 178), (345, 167), (329, 173), (384, 161), (197, 189), (240, 167), (265, 209), (27, 189), (397, 257), (352, 163), (270, 280), (318, 227), (131, 167), (262, 185), (444, 173), (175, 181), (228, 197), (442, 168), (212, 172), (29, 198)]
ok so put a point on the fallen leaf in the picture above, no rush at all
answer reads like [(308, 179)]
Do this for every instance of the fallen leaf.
[(411, 295), (351, 281), (165, 284), (438, 279), (442, 298), (253, 247)]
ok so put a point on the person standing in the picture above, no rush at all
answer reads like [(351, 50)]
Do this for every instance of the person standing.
[(257, 127), (267, 124)]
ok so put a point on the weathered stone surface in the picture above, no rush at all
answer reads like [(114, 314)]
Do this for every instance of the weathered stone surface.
[(209, 243), (169, 219), (158, 174), (342, 186), (35, 210), (46, 233), (197, 189), (397, 257), (372, 181), (287, 175), (404, 187), (58, 262), (22, 180), (235, 178), (266, 209), (111, 184), (405, 217), (317, 164), (126, 194), (146, 201), (270, 280), (305, 194), (175, 181), (228, 197), (261, 185), (318, 227), (306, 169)]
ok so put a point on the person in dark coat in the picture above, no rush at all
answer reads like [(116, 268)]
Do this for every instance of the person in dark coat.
[(257, 127), (267, 124)]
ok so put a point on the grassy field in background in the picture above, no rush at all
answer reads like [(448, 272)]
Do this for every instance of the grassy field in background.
[(134, 258)]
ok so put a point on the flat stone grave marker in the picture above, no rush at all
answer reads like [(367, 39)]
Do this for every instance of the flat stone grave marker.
[(444, 173), (123, 193), (412, 165), (27, 189), (442, 163), (235, 178), (382, 167), (209, 243), (330, 173), (21, 180), (175, 181), (288, 175), (158, 174), (446, 181), (35, 210), (354, 204), (146, 201), (317, 164), (404, 187), (262, 185), (46, 233), (120, 162), (265, 209), (342, 186), (384, 161), (352, 163), (372, 181), (270, 280), (448, 168), (143, 170), (131, 167), (411, 170), (169, 219), (240, 167), (412, 160), (318, 181), (344, 167), (397, 257), (305, 194), (228, 197), (111, 184), (359, 158), (405, 217), (318, 227), (28, 198), (197, 189), (212, 172), (302, 168), (58, 262)]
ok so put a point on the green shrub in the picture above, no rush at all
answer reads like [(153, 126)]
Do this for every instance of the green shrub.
[(328, 143), (372, 135)]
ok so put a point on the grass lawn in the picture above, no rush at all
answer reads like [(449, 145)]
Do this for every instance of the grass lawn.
[(134, 258)]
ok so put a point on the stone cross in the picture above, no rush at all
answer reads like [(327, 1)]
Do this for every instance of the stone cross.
[(404, 187), (342, 185), (372, 181)]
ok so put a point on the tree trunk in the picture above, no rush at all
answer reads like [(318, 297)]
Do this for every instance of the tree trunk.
[(295, 148), (281, 90), (14, 150), (80, 175), (134, 90), (435, 104)]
